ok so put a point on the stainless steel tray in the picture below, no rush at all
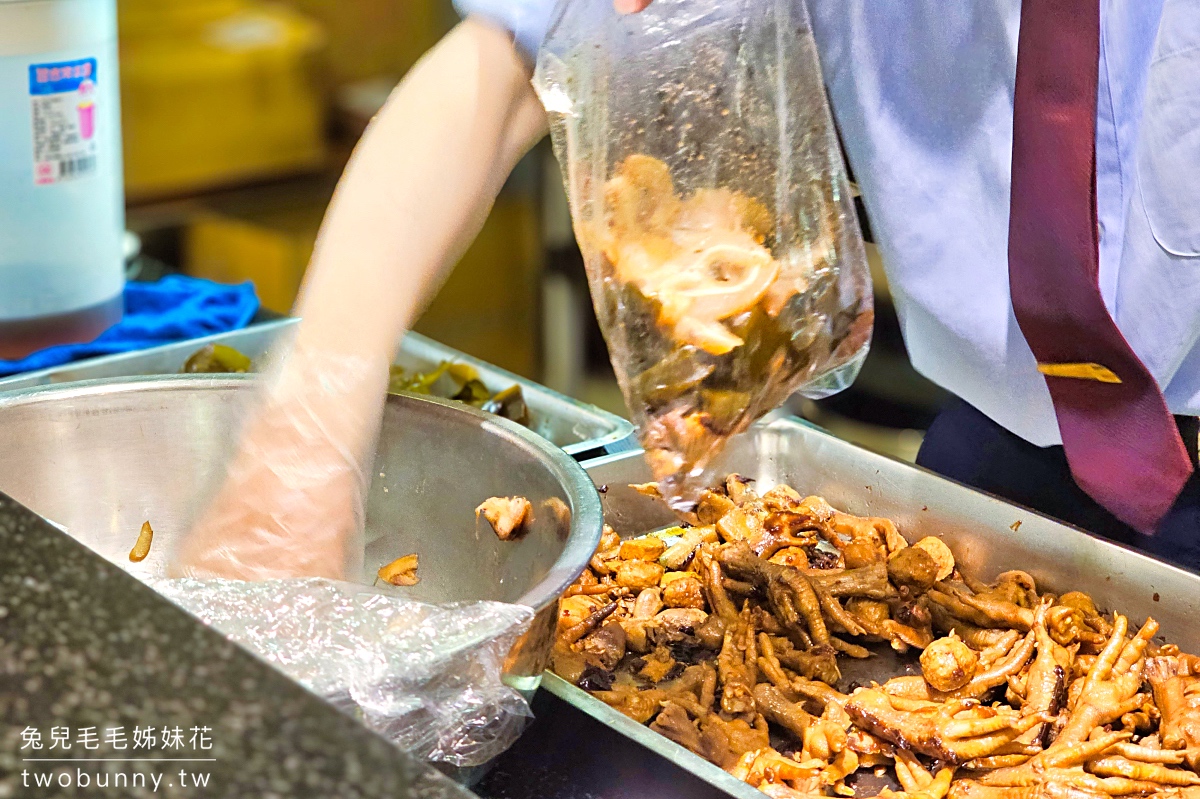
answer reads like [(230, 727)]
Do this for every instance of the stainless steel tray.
[(987, 535), (583, 431)]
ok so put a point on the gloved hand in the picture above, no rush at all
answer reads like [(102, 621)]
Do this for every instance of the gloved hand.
[(292, 501), (412, 198)]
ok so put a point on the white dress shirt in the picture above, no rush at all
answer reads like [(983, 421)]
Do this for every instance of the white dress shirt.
[(922, 91)]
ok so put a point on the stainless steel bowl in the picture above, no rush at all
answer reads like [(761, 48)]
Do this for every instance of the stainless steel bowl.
[(99, 458)]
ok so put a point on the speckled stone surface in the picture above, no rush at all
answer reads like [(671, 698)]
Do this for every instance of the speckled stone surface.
[(84, 645)]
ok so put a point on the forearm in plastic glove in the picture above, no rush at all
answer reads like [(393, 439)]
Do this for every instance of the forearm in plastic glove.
[(414, 195), (418, 189), (292, 502)]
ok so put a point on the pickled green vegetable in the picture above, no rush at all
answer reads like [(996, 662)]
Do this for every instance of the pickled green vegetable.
[(474, 393), (448, 380), (445, 381), (672, 377), (725, 407), (509, 403), (217, 359), (460, 382)]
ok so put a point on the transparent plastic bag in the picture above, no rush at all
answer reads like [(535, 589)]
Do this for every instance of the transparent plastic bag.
[(711, 204), (428, 677)]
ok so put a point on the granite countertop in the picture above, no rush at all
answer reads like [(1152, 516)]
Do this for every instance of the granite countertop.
[(86, 649)]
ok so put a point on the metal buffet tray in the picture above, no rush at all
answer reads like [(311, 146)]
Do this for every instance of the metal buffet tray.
[(987, 535), (583, 431)]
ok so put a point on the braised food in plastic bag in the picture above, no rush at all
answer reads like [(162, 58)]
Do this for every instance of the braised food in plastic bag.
[(711, 204)]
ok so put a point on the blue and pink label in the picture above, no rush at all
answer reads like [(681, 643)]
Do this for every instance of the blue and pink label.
[(63, 95), (66, 76)]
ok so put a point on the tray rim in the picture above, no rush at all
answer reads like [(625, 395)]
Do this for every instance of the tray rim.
[(803, 424), (619, 437)]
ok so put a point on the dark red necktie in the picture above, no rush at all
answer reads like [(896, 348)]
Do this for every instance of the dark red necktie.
[(1122, 443)]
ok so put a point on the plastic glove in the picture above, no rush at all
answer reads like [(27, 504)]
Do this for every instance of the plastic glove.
[(408, 205), (292, 502)]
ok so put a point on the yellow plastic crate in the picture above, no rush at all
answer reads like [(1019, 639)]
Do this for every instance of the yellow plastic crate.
[(374, 38), (227, 100), (488, 307), (141, 18), (230, 250)]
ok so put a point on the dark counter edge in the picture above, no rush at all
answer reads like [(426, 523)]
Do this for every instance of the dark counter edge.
[(84, 644)]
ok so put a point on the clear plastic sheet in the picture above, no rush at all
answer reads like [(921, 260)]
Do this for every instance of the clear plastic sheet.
[(428, 677), (711, 204)]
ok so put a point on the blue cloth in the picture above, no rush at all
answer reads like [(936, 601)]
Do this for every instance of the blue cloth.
[(176, 308)]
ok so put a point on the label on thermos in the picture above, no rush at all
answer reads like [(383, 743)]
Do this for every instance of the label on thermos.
[(63, 95)]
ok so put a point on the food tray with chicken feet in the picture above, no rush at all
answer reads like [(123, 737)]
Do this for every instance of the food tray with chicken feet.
[(830, 622)]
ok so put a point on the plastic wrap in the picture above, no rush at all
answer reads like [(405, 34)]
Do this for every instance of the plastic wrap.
[(428, 677), (711, 204)]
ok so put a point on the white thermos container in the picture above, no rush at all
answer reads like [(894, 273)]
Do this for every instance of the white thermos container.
[(62, 214)]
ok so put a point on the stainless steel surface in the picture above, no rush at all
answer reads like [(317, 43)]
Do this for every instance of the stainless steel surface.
[(577, 428), (100, 458), (987, 535)]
